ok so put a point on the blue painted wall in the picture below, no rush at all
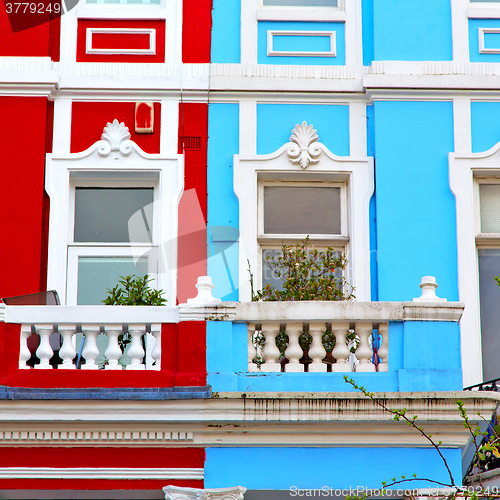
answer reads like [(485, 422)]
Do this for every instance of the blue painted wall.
[(412, 30), (367, 31), (275, 123), (300, 43), (485, 125), (284, 468), (226, 31), (490, 40), (223, 213), (416, 227)]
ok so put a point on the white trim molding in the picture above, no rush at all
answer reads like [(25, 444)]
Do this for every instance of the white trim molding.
[(89, 49), (355, 172), (463, 168), (180, 493), (114, 161), (100, 473), (332, 52), (482, 48)]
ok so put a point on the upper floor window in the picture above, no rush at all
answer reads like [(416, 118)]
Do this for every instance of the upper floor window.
[(301, 3)]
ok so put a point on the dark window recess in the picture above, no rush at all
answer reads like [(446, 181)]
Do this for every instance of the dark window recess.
[(190, 142)]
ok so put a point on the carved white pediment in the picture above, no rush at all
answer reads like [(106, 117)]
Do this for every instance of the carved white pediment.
[(305, 148), (178, 493), (115, 137)]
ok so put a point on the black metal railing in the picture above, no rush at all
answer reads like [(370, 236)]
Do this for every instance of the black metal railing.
[(490, 385)]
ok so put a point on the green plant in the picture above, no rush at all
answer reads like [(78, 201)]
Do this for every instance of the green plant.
[(134, 291), (307, 274)]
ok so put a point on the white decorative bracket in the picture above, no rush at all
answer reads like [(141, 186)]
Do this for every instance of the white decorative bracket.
[(178, 493), (428, 285), (115, 137), (204, 297), (305, 149)]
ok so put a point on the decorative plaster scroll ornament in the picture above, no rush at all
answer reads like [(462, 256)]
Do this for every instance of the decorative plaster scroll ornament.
[(115, 137), (179, 493), (305, 150)]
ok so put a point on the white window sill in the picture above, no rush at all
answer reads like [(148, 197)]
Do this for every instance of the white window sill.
[(298, 14), (123, 12), (484, 11)]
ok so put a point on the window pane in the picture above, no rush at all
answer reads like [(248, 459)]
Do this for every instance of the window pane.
[(301, 210), (489, 267), (489, 196), (302, 3), (95, 274), (105, 215)]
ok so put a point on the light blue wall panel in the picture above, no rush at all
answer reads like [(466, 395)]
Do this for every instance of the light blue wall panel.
[(226, 31), (485, 125), (300, 43), (490, 41), (416, 220), (367, 31), (284, 468), (412, 30), (223, 213), (275, 123)]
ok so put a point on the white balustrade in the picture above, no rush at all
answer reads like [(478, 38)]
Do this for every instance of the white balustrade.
[(67, 352), (341, 331), (109, 357)]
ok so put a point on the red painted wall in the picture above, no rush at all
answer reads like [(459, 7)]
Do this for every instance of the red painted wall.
[(89, 119), (192, 244), (118, 41), (196, 31), (40, 41), (21, 195), (183, 363)]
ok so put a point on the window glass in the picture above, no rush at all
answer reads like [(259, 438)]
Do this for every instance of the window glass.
[(302, 3), (489, 292), (489, 1), (489, 196), (96, 274), (103, 215), (301, 210)]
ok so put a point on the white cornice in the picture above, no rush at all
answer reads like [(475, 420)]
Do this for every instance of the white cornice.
[(100, 473)]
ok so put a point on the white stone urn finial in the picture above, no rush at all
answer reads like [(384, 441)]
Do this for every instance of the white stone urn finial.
[(204, 297), (428, 285)]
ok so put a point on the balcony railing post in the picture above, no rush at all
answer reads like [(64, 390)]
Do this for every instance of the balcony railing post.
[(44, 351), (317, 352), (383, 350), (113, 352), (294, 352), (24, 352), (136, 351), (90, 351), (340, 351), (67, 351), (364, 352), (156, 352), (270, 351), (252, 350)]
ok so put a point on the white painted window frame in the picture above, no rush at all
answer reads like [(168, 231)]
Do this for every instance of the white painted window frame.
[(355, 173), (121, 31), (126, 167), (466, 172), (301, 53), (481, 33)]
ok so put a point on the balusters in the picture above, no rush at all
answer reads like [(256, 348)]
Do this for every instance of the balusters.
[(341, 350), (252, 350), (294, 352), (364, 352), (113, 352), (136, 351), (317, 352), (90, 350), (270, 351), (44, 351), (156, 352), (24, 352), (67, 352), (383, 350)]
